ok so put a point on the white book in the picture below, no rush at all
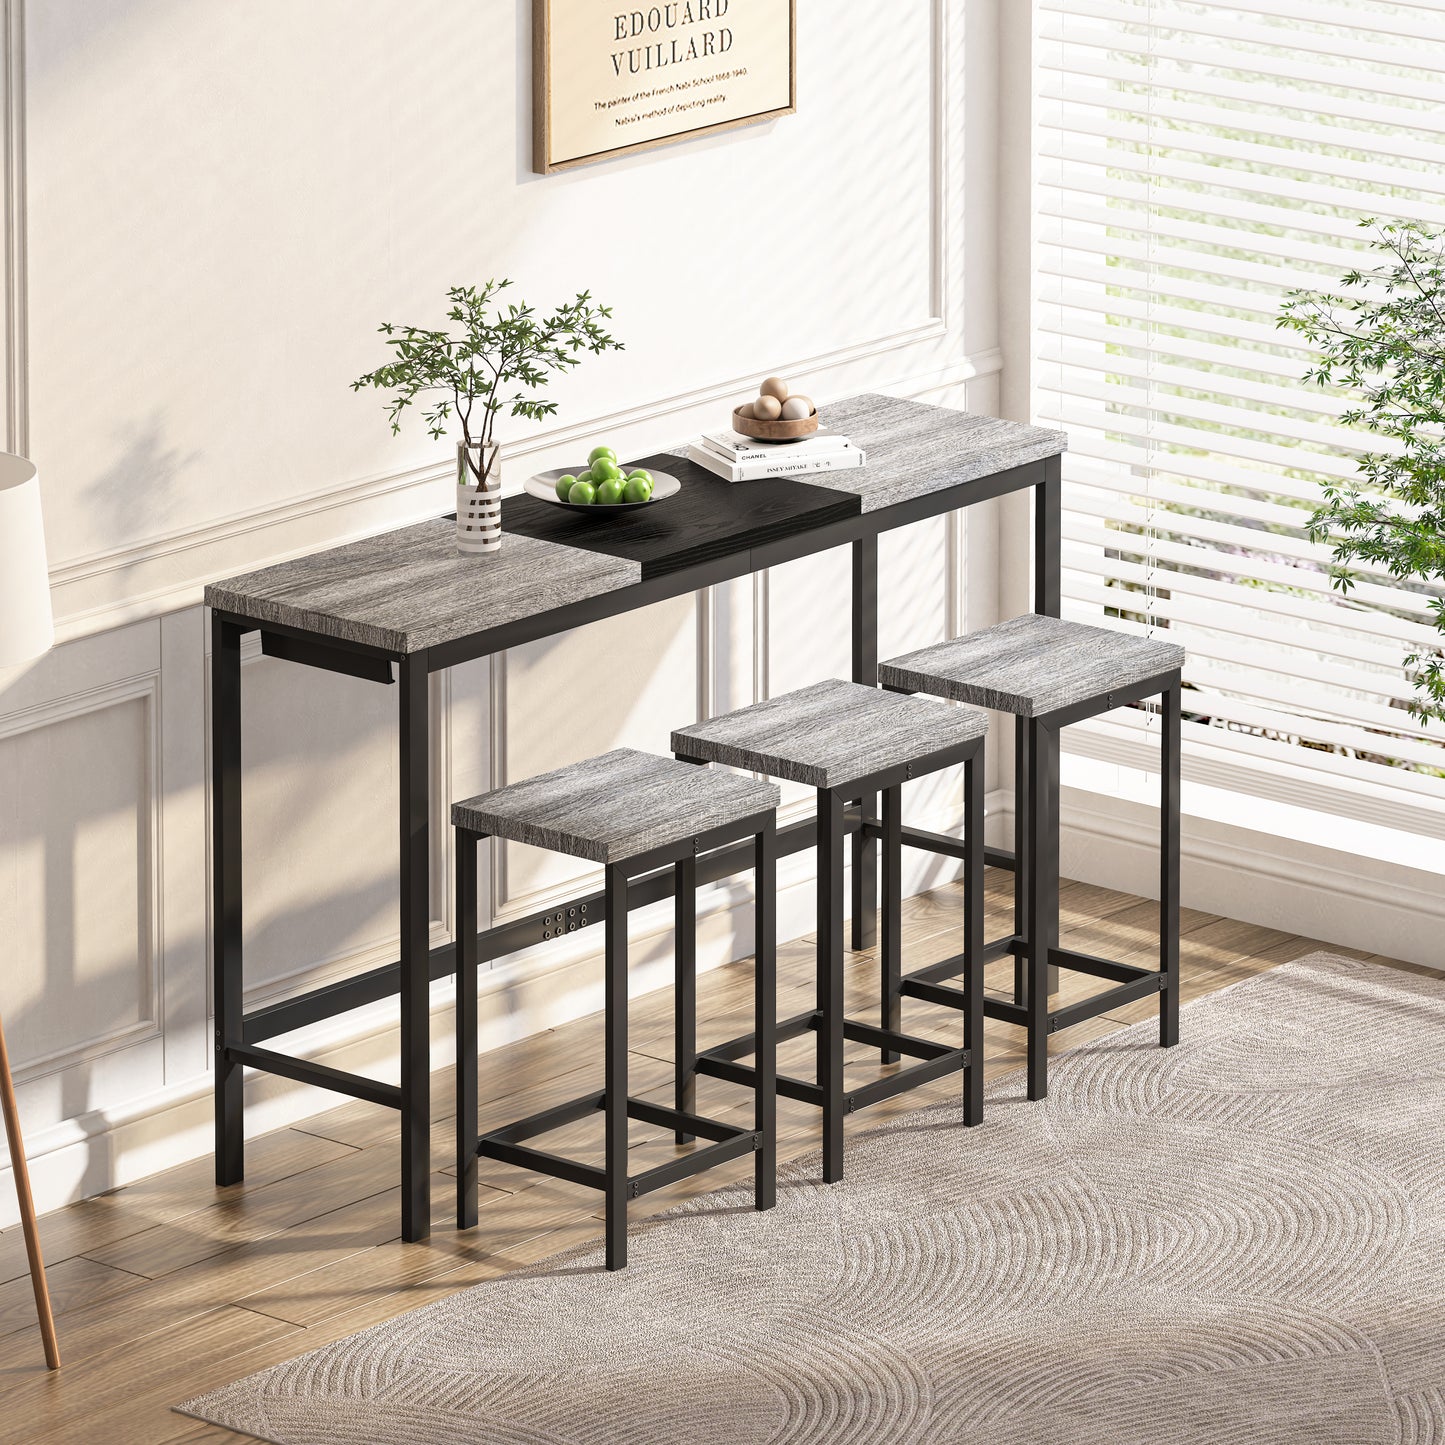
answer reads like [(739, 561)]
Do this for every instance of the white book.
[(737, 448), (775, 466)]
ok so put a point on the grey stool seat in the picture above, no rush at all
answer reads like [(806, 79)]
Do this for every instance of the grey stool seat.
[(849, 742), (1032, 666), (1049, 673), (831, 734), (614, 807), (635, 813)]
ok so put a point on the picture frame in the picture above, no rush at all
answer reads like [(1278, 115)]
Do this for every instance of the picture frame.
[(612, 79)]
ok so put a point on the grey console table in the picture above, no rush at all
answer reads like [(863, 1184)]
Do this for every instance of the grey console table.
[(397, 607)]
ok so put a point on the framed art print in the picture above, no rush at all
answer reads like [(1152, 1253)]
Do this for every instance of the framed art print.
[(609, 78)]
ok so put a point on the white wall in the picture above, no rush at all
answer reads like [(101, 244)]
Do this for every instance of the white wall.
[(209, 208)]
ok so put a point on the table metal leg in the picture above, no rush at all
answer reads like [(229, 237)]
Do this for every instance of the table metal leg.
[(865, 670), (415, 818), (1048, 539), (1169, 869), (466, 1019), (226, 895)]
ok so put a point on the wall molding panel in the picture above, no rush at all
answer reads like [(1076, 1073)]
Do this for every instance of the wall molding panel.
[(69, 707)]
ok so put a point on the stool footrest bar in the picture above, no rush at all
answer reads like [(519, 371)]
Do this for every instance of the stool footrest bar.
[(730, 1142), (541, 1161), (937, 1060), (860, 1033), (786, 1029), (877, 1090), (1101, 1003), (1099, 967), (739, 1143), (548, 1119), (678, 1119), (1005, 1011), (746, 1077)]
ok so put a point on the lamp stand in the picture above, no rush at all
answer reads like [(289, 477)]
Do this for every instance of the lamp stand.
[(27, 1207)]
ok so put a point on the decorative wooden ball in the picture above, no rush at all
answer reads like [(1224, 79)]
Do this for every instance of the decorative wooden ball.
[(767, 408), (797, 407), (775, 386)]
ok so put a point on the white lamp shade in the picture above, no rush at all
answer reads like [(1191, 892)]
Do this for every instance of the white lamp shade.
[(26, 628)]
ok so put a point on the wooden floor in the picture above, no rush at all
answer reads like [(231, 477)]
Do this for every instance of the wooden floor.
[(173, 1286)]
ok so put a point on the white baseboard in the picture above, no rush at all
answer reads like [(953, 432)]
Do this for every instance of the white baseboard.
[(1333, 894), (107, 1149)]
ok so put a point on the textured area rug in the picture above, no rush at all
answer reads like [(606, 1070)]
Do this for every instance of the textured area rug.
[(1241, 1239)]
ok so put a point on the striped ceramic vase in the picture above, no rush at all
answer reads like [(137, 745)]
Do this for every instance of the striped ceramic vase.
[(479, 508)]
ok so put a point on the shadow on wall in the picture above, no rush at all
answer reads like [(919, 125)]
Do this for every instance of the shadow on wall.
[(142, 478)]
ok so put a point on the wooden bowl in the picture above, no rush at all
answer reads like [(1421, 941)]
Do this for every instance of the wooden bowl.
[(774, 431)]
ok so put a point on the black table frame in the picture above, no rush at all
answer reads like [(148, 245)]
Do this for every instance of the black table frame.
[(239, 1037)]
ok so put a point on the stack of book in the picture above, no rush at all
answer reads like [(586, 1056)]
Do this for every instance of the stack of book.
[(737, 458)]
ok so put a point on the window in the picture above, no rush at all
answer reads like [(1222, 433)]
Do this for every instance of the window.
[(1196, 162)]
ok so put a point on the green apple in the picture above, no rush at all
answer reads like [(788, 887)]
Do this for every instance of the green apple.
[(583, 493), (565, 485), (605, 470), (610, 492), (638, 489), (640, 472), (598, 454)]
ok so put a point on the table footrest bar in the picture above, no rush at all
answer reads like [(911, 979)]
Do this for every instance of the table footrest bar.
[(1099, 967), (548, 1119), (739, 1143), (540, 1161), (877, 1090), (879, 1038), (1101, 1003), (355, 1086)]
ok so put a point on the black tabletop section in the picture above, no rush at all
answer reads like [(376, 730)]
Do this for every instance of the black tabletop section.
[(708, 519)]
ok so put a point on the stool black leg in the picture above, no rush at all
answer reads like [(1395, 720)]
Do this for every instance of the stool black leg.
[(1021, 856), (615, 1102), (973, 846), (765, 993), (1043, 900), (685, 992), (891, 925), (830, 979), (1169, 869), (466, 927)]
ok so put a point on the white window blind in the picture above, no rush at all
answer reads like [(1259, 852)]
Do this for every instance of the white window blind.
[(1195, 162)]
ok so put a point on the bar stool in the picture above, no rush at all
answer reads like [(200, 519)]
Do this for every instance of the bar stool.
[(848, 741), (634, 813), (1049, 673)]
